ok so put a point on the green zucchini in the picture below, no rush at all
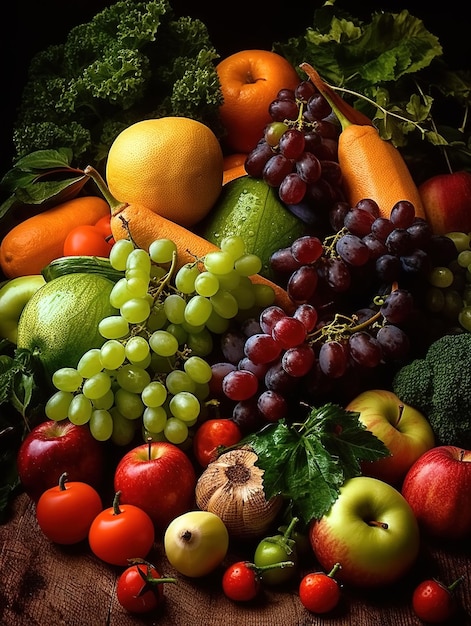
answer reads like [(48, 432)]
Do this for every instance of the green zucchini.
[(75, 264)]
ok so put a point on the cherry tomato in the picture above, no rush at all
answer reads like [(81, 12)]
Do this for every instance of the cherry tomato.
[(121, 532), (320, 592), (433, 602), (241, 581), (212, 434), (140, 587), (86, 240), (280, 547), (66, 512), (104, 226)]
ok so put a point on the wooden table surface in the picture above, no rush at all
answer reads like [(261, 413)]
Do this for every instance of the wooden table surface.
[(47, 585)]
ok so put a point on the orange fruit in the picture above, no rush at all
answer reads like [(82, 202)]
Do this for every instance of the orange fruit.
[(250, 80), (171, 165)]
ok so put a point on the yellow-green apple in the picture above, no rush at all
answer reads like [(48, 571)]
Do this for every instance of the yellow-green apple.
[(370, 530), (159, 478), (52, 448), (196, 542), (404, 431), (438, 490), (446, 200)]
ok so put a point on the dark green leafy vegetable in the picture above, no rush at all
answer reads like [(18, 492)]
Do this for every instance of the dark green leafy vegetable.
[(392, 69), (308, 462)]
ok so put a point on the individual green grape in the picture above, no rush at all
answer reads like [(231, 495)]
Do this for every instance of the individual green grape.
[(96, 386), (133, 378), (178, 380), (264, 295), (185, 406), (162, 250), (80, 410), (113, 327), (441, 277), (154, 394), (163, 343), (201, 391), (135, 310), (225, 304), (119, 253), (101, 424), (229, 281), (90, 363), (464, 318), (190, 329), (248, 264), (137, 282), (120, 293), (129, 404), (154, 419), (178, 332), (124, 429), (244, 294), (198, 310), (200, 344), (157, 318), (464, 258), (198, 369), (453, 304), (233, 245), (105, 401), (206, 284), (112, 354), (435, 300), (175, 430), (461, 240), (174, 307), (217, 324), (467, 295), (162, 364), (137, 348), (138, 259), (57, 406), (218, 262), (144, 363), (185, 278), (67, 379)]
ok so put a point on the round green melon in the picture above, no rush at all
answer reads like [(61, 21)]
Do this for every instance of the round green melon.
[(250, 208), (60, 321)]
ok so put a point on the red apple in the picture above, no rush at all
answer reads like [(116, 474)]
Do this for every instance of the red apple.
[(446, 199), (52, 448), (404, 431), (438, 489), (159, 478)]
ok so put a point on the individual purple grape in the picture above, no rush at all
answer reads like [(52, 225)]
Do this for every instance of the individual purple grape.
[(304, 91), (247, 416), (272, 406), (399, 241), (282, 261), (292, 189), (418, 262), (352, 250), (364, 349), (276, 169), (308, 167), (398, 306), (262, 348), (289, 332), (302, 284), (257, 159), (420, 232), (333, 359), (307, 249), (240, 385), (337, 275), (292, 143), (370, 205), (219, 370), (286, 94), (312, 140), (388, 268), (283, 109), (381, 228), (358, 221), (307, 314), (402, 214), (278, 380), (326, 129), (270, 316), (259, 369), (331, 172), (298, 360), (376, 247), (394, 342), (327, 150), (250, 326), (337, 214), (232, 345)]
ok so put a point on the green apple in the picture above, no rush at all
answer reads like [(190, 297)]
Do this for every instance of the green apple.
[(370, 530), (196, 542), (404, 431)]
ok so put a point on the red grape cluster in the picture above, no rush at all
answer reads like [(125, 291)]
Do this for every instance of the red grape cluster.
[(298, 152)]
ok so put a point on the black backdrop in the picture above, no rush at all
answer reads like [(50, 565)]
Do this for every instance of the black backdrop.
[(232, 27)]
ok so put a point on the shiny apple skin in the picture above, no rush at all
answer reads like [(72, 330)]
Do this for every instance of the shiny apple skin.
[(446, 199)]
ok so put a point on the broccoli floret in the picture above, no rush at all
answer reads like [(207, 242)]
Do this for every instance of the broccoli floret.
[(132, 61), (439, 386)]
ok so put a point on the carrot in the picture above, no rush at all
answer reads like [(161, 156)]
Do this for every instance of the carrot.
[(371, 166), (145, 226), (232, 173), (32, 244)]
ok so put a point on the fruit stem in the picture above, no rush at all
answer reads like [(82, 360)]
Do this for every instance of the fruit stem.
[(149, 448), (263, 568), (116, 206), (455, 583), (116, 509), (62, 480), (400, 414), (334, 570), (383, 525)]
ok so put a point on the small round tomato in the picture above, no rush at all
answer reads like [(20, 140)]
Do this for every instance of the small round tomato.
[(212, 434), (433, 602), (140, 588), (86, 240), (320, 592), (104, 226), (274, 549), (66, 512), (121, 532), (241, 581)]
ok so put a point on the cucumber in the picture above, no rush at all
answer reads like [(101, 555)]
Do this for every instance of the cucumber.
[(81, 264)]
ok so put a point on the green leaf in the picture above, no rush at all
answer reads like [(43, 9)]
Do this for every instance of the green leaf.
[(308, 462), (45, 160)]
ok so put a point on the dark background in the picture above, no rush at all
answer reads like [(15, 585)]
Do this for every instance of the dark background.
[(236, 26)]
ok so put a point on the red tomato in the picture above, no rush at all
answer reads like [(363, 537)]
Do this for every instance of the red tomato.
[(433, 602), (86, 240), (241, 581), (320, 592), (66, 512), (120, 533), (104, 226), (140, 588), (210, 435)]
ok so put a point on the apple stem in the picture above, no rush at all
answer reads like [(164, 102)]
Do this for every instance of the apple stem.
[(334, 570), (62, 480), (400, 413), (378, 524), (116, 509)]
